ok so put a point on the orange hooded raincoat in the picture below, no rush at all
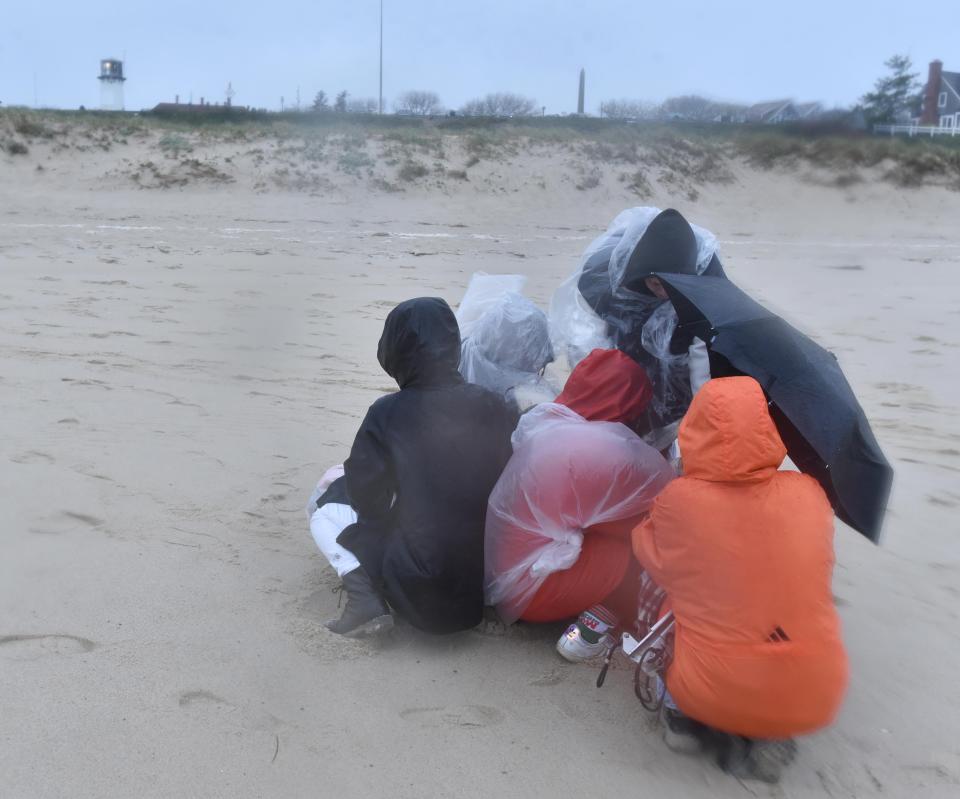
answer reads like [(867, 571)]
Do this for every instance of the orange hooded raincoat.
[(745, 554)]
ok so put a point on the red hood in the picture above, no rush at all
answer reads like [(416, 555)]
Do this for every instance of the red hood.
[(607, 386)]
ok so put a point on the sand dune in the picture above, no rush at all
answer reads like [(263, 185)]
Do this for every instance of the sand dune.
[(182, 363)]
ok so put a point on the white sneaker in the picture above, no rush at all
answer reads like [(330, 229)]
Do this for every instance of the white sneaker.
[(590, 636)]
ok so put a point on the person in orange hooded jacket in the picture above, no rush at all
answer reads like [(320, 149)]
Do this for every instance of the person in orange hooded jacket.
[(745, 554)]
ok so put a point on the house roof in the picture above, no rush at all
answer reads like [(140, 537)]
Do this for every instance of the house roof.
[(191, 108), (763, 110), (808, 109), (180, 108), (952, 79)]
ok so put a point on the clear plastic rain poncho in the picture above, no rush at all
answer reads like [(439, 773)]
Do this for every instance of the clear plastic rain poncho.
[(506, 338), (593, 309), (566, 475)]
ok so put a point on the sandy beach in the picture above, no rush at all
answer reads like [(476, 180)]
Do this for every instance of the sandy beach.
[(182, 363)]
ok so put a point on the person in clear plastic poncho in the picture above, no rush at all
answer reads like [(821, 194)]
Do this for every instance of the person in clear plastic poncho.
[(506, 340), (613, 300), (556, 541)]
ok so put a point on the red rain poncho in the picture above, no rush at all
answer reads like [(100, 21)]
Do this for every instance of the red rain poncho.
[(745, 554), (558, 520)]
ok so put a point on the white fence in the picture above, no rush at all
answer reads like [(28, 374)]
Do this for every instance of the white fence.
[(916, 130)]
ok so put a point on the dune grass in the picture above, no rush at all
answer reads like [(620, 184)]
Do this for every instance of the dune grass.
[(683, 157)]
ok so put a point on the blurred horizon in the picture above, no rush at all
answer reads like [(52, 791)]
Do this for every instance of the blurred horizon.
[(741, 52)]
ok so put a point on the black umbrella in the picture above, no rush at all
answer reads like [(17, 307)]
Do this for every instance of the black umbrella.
[(822, 424)]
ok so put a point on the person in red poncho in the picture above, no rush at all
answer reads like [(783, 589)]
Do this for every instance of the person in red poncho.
[(557, 538)]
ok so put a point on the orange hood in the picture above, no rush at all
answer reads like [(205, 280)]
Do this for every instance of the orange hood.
[(728, 435)]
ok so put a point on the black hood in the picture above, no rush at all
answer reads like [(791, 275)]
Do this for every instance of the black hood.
[(420, 344), (667, 245)]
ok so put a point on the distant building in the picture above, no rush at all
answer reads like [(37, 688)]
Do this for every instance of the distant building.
[(183, 108), (809, 110), (941, 98), (111, 84), (202, 108), (772, 113), (776, 112)]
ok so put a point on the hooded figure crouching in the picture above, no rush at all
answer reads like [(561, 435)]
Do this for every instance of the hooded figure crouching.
[(418, 477)]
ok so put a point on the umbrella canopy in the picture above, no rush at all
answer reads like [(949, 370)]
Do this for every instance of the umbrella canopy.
[(822, 424)]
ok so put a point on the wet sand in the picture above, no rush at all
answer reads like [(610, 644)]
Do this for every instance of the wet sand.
[(180, 366)]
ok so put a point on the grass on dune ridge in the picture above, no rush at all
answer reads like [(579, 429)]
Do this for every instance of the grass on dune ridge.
[(684, 156)]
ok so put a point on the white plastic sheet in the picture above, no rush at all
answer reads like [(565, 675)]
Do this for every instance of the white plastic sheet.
[(671, 376), (506, 339), (566, 475), (329, 476), (575, 329), (483, 292)]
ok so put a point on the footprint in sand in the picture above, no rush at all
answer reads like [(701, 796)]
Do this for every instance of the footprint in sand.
[(464, 716), (32, 647), (91, 382), (65, 522), (33, 456), (942, 501), (551, 677), (202, 697)]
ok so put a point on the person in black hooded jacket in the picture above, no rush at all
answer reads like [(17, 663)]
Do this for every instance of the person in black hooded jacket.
[(419, 474), (668, 245)]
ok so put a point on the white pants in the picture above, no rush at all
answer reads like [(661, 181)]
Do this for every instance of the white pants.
[(326, 524)]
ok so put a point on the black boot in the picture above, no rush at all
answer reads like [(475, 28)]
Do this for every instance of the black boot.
[(683, 734), (366, 613), (754, 759)]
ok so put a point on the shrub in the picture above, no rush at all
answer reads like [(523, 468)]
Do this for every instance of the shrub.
[(175, 144), (844, 180), (638, 183), (31, 128), (385, 185), (352, 161), (412, 170), (590, 180)]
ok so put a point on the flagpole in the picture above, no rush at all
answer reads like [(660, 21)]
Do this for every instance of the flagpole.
[(380, 104)]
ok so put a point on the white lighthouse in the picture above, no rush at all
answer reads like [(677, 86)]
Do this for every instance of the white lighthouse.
[(111, 84)]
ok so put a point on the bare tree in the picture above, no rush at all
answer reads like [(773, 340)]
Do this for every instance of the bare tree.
[(690, 107), (320, 102), (362, 105), (340, 104), (500, 104), (628, 109), (418, 103)]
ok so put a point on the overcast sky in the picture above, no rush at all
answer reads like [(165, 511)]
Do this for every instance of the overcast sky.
[(826, 50)]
